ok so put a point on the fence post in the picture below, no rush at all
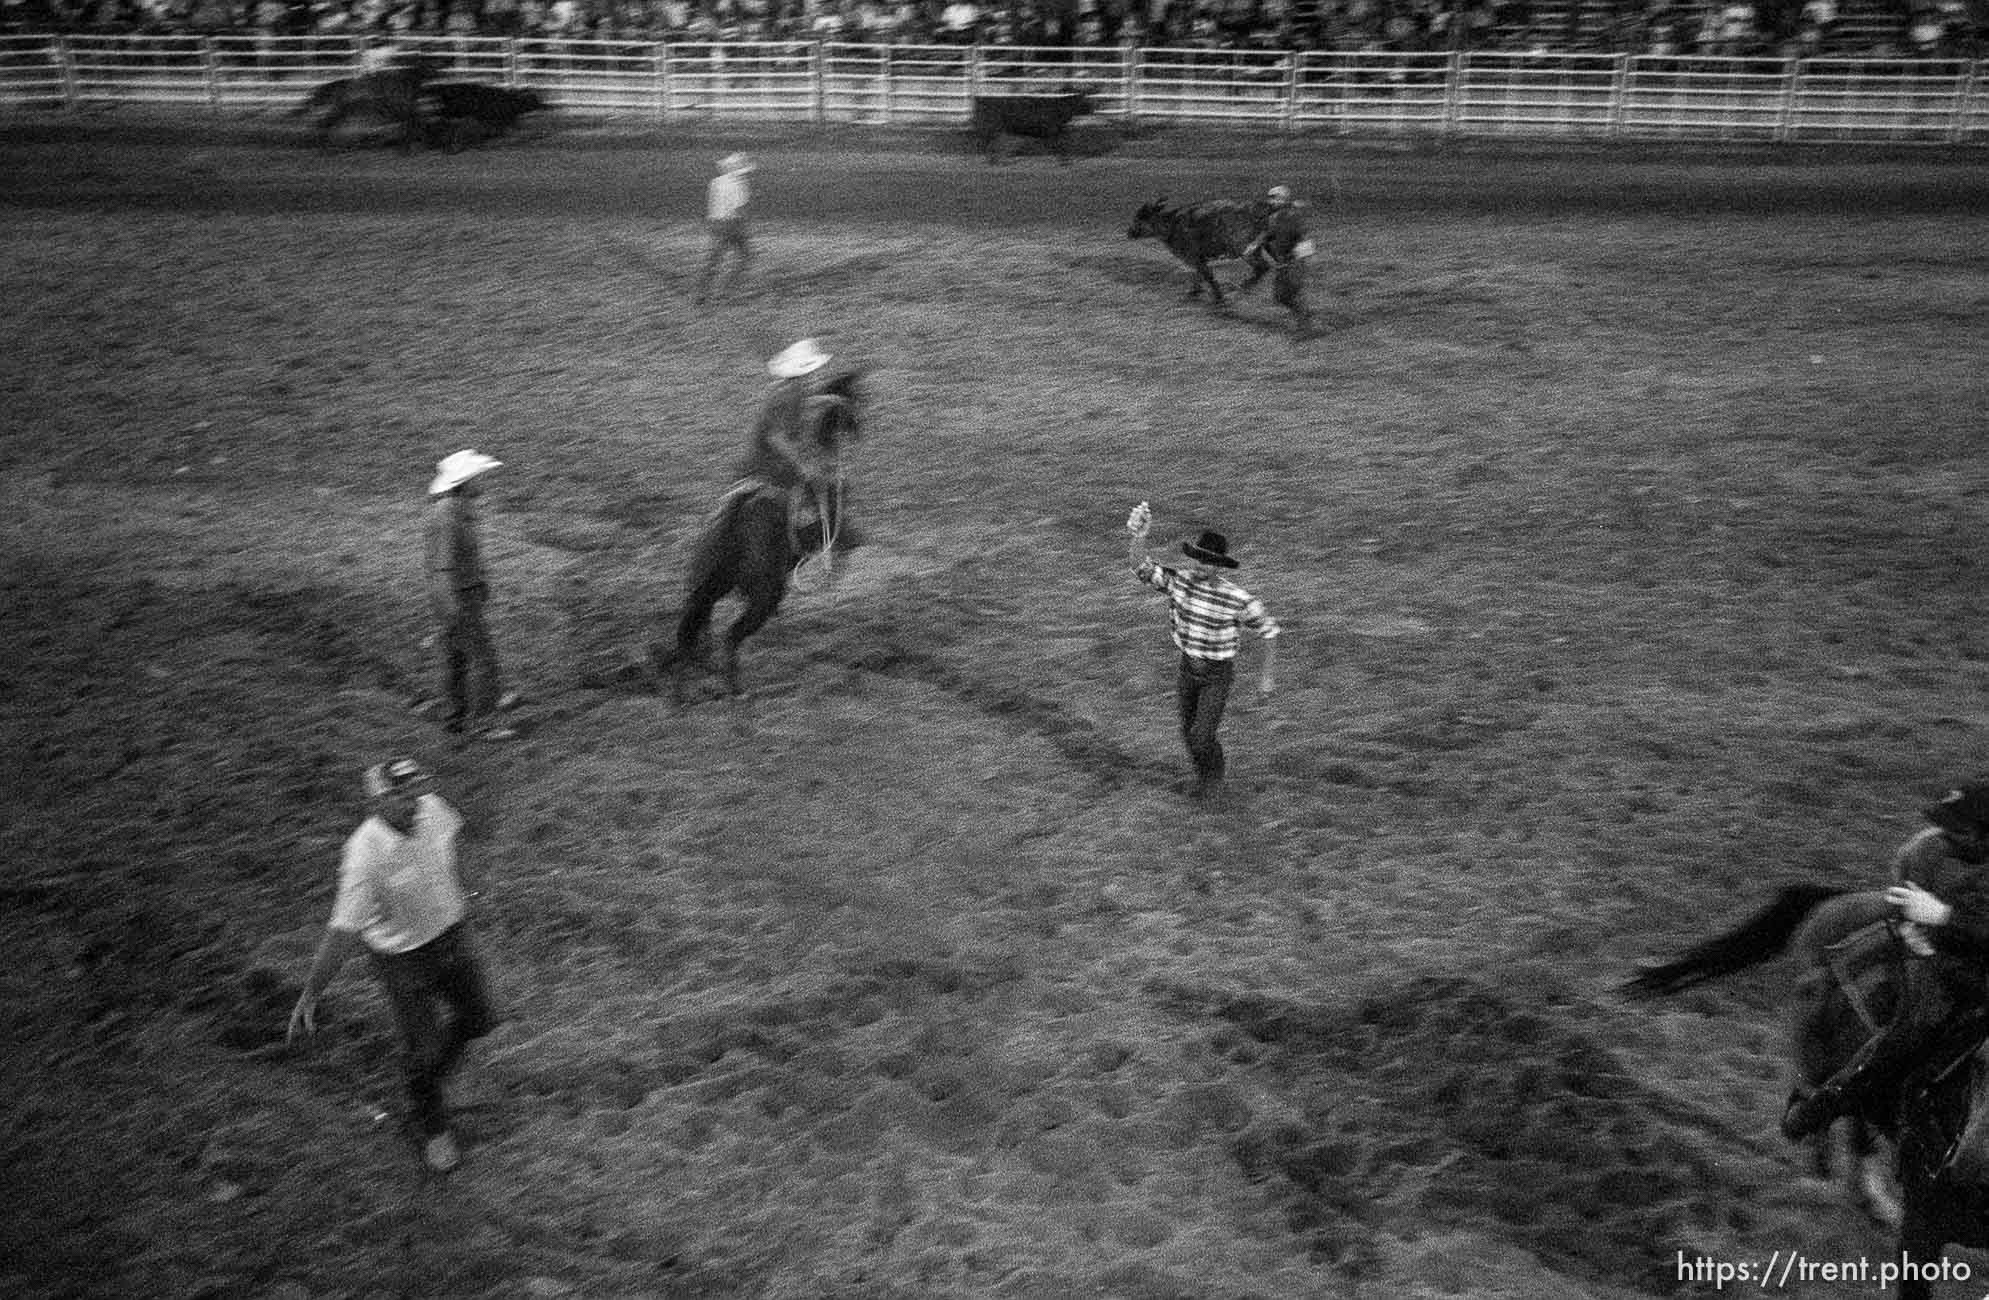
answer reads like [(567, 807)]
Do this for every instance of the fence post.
[(72, 91), (662, 81), (1289, 118), (816, 63), (210, 70), (1785, 115), (1619, 95), (1964, 95), (890, 87), (511, 62), (1131, 73), (1453, 92)]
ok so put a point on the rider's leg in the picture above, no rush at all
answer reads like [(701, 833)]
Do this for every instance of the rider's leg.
[(1885, 1059)]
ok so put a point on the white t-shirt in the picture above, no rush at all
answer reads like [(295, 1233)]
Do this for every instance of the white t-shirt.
[(726, 196), (395, 891)]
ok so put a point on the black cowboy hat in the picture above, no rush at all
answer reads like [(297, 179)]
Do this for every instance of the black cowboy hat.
[(1209, 548), (1964, 811)]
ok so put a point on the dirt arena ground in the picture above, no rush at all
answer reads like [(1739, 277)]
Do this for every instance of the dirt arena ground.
[(1626, 516)]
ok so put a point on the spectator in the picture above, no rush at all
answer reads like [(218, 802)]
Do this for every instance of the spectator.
[(1819, 22), (1737, 30), (1924, 33), (959, 22)]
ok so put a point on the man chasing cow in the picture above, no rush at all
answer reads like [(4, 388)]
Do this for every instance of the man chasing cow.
[(1282, 249), (1268, 234)]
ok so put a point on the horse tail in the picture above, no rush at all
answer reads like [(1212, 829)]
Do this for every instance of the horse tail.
[(1759, 938)]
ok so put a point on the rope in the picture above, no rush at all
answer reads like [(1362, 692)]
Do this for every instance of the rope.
[(804, 578)]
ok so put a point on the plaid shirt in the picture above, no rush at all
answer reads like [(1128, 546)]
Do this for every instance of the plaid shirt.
[(1207, 611)]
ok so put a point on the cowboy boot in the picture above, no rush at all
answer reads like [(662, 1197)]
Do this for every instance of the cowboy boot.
[(1812, 1110)]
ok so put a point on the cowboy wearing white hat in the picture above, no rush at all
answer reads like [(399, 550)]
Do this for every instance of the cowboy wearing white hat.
[(726, 198), (471, 683), (781, 452), (458, 468), (798, 359)]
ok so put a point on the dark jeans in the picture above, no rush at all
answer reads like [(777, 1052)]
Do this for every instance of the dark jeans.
[(442, 975), (726, 236), (1287, 286), (1204, 691), (471, 680), (1288, 290)]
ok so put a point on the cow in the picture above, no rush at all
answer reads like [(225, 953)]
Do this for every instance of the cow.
[(1032, 117), (1218, 230), (465, 110)]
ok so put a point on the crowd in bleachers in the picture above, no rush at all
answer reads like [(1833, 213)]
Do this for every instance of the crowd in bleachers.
[(1909, 28)]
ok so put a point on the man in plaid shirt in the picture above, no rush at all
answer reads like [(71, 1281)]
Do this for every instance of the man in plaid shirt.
[(1207, 612)]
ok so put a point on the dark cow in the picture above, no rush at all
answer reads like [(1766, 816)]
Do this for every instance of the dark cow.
[(474, 110), (1218, 230), (1032, 117)]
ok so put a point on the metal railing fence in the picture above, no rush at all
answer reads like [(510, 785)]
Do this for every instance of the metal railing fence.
[(1601, 96)]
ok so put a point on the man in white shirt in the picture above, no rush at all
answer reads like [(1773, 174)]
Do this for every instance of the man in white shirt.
[(726, 198), (401, 902)]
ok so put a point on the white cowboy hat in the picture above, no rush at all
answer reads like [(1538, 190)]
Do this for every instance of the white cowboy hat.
[(458, 468), (803, 358), (737, 162), (1279, 192)]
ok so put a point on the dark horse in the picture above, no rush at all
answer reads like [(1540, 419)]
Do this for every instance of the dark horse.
[(1937, 1121), (762, 531), (391, 95)]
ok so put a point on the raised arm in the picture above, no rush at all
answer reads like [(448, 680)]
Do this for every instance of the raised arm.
[(1138, 524)]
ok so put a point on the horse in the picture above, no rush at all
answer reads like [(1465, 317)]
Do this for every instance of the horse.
[(391, 94), (760, 534), (1937, 1121)]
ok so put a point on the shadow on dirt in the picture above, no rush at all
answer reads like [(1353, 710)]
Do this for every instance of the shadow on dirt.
[(1441, 1099), (156, 821), (1078, 740)]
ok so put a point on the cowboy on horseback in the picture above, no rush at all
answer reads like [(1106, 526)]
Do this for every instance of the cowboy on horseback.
[(1941, 899), (787, 509), (789, 453)]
